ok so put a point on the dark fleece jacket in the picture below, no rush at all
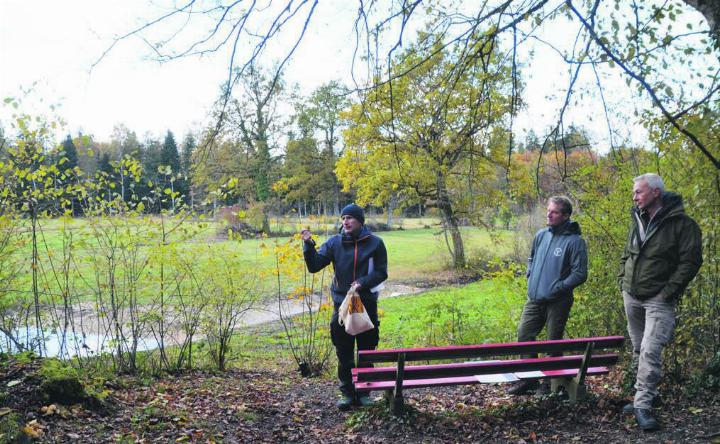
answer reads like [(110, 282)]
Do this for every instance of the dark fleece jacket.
[(669, 258), (351, 257)]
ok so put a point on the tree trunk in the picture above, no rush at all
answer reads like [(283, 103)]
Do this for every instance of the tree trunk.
[(450, 223), (266, 224), (710, 9), (390, 208)]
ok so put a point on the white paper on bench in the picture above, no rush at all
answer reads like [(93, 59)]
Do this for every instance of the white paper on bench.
[(529, 375), (500, 377)]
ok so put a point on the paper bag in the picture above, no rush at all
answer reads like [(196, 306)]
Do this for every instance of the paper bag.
[(352, 315)]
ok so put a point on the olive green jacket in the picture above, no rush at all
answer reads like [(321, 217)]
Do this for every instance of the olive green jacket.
[(668, 259)]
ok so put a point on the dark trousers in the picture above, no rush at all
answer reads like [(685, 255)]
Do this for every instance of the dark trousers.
[(536, 315), (345, 344)]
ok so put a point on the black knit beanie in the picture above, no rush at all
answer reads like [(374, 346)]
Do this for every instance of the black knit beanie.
[(355, 211)]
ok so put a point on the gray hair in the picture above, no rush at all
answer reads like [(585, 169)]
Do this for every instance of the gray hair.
[(564, 202), (653, 180)]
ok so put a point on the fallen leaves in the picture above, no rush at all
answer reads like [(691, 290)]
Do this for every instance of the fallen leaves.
[(34, 429), (273, 406), (49, 410)]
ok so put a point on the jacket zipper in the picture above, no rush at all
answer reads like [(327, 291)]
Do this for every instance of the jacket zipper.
[(542, 265), (355, 260), (642, 247)]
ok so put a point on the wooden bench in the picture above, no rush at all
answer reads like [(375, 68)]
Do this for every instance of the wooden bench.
[(568, 372)]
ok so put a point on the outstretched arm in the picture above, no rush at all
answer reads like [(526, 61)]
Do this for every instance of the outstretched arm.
[(313, 260)]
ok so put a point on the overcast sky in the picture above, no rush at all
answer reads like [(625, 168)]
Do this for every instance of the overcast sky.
[(53, 44)]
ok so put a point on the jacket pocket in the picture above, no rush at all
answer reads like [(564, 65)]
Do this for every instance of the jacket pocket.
[(556, 288)]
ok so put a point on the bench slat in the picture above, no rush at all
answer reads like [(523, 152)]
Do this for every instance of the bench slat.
[(463, 380), (481, 368), (482, 350)]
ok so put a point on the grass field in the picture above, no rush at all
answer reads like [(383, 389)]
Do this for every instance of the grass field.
[(483, 311), (416, 256)]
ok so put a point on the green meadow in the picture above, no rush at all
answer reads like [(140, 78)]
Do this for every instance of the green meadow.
[(416, 256)]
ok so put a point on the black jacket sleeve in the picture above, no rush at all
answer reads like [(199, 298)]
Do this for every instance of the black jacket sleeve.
[(317, 261), (379, 272)]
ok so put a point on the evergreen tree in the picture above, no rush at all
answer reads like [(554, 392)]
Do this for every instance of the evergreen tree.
[(170, 157), (169, 154), (188, 148), (67, 163), (69, 154), (104, 166)]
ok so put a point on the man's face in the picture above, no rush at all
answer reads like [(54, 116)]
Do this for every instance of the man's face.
[(555, 216), (351, 225), (644, 196)]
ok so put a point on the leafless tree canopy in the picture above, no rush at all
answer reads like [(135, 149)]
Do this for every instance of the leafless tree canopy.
[(635, 36)]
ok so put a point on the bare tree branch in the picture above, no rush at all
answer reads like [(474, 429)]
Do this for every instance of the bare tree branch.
[(646, 86)]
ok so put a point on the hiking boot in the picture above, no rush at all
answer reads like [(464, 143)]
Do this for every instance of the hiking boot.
[(522, 387), (364, 401), (645, 420), (543, 389), (345, 403), (629, 408)]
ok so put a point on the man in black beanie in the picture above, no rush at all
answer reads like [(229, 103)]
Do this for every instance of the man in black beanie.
[(360, 261)]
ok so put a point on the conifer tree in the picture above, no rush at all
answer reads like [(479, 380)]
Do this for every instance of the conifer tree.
[(69, 154)]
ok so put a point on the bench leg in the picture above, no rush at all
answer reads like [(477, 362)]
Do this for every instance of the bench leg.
[(575, 387), (388, 397), (576, 391), (396, 403)]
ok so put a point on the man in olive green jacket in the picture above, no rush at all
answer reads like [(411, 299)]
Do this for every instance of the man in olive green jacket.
[(662, 255)]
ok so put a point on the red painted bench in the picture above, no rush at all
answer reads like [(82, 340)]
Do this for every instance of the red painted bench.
[(568, 372)]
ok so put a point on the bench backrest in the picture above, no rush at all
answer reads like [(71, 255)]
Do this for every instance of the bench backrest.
[(485, 350)]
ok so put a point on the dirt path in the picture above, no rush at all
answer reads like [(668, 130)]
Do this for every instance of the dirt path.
[(93, 333)]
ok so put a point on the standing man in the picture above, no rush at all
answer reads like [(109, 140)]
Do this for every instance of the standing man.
[(360, 260), (557, 264), (662, 255)]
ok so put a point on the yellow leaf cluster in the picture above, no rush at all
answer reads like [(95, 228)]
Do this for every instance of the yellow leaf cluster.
[(34, 429)]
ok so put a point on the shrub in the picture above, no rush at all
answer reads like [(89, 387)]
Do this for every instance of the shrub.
[(61, 383), (10, 428)]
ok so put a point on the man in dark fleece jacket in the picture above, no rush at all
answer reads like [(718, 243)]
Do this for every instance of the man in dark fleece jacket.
[(557, 264), (663, 253), (360, 260)]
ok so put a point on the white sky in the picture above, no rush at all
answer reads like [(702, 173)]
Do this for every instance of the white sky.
[(53, 44)]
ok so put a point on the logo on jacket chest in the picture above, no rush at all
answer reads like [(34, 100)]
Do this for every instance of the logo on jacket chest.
[(558, 252)]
